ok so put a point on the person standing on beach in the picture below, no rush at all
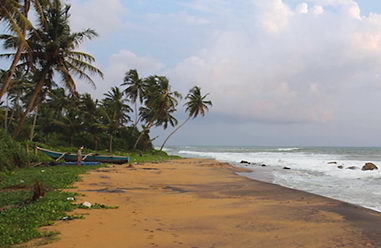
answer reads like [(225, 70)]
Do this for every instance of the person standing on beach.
[(79, 156)]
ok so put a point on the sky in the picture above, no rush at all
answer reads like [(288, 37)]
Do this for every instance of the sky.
[(279, 72)]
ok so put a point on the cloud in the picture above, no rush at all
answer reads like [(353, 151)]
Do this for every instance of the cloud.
[(289, 66), (119, 63), (302, 8), (272, 15), (125, 60), (103, 16)]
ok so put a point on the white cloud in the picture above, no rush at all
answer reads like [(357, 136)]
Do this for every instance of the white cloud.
[(119, 63), (289, 66), (272, 15), (125, 60), (205, 6), (103, 16), (302, 8), (317, 10)]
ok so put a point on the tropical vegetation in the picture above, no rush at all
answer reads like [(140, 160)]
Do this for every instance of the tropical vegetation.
[(40, 105), (39, 101)]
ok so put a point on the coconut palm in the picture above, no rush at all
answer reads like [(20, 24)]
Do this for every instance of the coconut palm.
[(12, 14), (114, 112), (134, 90), (195, 106), (53, 47), (160, 103), (71, 122), (116, 102), (91, 118), (16, 16)]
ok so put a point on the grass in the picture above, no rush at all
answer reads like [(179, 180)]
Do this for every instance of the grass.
[(20, 219), (146, 158)]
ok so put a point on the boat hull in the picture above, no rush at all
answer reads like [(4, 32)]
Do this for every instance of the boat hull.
[(69, 157)]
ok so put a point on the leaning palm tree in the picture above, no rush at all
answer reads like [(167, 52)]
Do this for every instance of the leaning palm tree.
[(16, 16), (134, 90), (160, 103), (195, 106), (53, 48)]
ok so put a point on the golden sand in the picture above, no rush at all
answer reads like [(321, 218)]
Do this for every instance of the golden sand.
[(202, 203)]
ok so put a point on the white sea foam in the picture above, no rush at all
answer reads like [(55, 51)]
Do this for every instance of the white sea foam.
[(311, 171), (288, 149)]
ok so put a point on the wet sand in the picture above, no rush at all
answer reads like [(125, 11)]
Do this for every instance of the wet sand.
[(203, 203)]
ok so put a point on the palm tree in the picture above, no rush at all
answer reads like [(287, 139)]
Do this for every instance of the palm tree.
[(195, 106), (16, 92), (135, 90), (91, 118), (16, 16), (71, 121), (12, 14), (118, 105), (53, 47), (115, 113), (160, 103)]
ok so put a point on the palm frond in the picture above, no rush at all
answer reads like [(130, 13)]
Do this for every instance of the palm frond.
[(85, 66), (81, 56)]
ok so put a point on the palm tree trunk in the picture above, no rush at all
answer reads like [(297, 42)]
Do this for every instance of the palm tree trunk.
[(12, 115), (136, 113), (173, 132), (11, 70), (32, 102), (141, 135), (136, 123), (6, 122), (33, 125), (95, 139), (16, 59), (110, 144)]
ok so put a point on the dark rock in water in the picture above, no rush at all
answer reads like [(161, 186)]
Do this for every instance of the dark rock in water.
[(332, 162), (369, 166), (351, 168), (245, 162), (263, 165), (286, 168), (340, 167)]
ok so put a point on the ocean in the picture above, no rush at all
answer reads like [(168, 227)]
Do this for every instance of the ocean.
[(311, 169)]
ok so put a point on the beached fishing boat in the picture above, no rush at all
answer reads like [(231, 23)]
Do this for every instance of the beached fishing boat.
[(71, 157)]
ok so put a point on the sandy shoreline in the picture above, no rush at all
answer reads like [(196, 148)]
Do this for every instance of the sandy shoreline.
[(203, 203)]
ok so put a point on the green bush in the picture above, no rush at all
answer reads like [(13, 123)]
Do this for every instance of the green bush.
[(12, 154)]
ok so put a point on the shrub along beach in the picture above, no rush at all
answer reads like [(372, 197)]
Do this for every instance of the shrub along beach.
[(34, 196)]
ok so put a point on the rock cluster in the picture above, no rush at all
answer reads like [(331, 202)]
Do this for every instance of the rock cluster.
[(369, 166), (245, 162)]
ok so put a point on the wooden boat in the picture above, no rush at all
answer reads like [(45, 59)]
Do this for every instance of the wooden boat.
[(71, 157), (82, 163)]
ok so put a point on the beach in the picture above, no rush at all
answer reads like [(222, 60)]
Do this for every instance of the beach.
[(204, 203)]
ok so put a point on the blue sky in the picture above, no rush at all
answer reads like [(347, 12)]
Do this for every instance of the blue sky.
[(280, 72)]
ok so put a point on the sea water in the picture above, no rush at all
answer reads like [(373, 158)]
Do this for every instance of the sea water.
[(311, 169)]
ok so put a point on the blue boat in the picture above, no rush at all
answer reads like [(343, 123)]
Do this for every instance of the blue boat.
[(70, 157), (82, 163)]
